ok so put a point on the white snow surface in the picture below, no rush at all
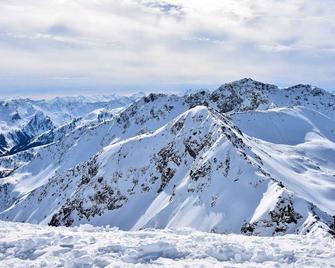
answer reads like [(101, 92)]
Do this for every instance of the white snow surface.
[(29, 245)]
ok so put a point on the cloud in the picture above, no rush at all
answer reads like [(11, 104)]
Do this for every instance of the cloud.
[(165, 7), (152, 42)]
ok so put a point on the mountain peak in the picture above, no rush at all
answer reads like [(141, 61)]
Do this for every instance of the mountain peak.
[(246, 80), (38, 124), (309, 89), (247, 84)]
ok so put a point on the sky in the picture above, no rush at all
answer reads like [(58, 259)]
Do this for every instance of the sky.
[(77, 47)]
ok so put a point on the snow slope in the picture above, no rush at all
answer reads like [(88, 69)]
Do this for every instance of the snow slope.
[(297, 146), (26, 245)]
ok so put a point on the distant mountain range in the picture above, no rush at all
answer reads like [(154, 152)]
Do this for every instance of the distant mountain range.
[(247, 158), (26, 123)]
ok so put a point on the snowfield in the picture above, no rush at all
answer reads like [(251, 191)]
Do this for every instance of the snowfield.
[(28, 245)]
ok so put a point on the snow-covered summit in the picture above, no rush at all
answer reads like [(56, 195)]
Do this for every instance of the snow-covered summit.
[(247, 85)]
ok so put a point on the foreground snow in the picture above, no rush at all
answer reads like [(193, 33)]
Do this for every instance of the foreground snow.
[(26, 245)]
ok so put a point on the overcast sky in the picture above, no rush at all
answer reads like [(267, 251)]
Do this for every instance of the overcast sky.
[(54, 47)]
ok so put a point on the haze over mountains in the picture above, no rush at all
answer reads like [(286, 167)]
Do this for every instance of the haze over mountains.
[(246, 158)]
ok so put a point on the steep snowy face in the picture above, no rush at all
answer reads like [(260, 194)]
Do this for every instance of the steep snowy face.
[(38, 124), (247, 158), (14, 139), (297, 146)]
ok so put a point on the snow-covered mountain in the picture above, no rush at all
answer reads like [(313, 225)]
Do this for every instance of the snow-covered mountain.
[(246, 158), (22, 121)]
